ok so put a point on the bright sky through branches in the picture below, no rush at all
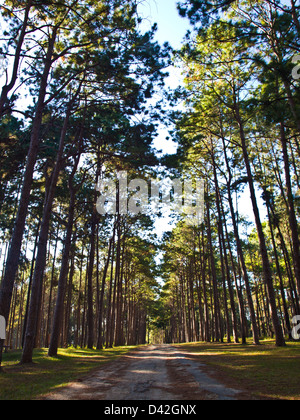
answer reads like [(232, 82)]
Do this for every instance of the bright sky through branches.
[(171, 27)]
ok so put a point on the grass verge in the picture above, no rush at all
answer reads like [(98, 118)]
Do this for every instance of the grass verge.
[(47, 373), (262, 372)]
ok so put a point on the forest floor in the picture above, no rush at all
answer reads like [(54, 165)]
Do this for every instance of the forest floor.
[(29, 382), (263, 372), (181, 372)]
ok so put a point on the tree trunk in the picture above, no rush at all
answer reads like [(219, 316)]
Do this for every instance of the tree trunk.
[(241, 253), (229, 283), (268, 277), (42, 250), (219, 336), (51, 293), (222, 248), (13, 257), (109, 300), (291, 208), (62, 282), (119, 325), (101, 303), (90, 302)]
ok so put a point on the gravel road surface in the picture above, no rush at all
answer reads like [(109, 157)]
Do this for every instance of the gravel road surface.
[(161, 373)]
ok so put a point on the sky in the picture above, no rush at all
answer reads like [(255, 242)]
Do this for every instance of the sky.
[(171, 27)]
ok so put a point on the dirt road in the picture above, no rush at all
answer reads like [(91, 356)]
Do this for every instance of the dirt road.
[(160, 373)]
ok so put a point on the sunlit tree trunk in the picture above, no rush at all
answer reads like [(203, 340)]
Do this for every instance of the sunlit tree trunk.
[(268, 276)]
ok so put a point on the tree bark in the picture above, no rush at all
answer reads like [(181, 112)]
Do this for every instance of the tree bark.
[(241, 254), (62, 282), (268, 277), (291, 208), (13, 257), (229, 283), (90, 307), (109, 300), (42, 251), (101, 303), (219, 335)]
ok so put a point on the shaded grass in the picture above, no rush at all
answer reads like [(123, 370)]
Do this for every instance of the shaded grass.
[(46, 374), (264, 372)]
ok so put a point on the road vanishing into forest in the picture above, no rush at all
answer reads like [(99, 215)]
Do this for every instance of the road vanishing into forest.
[(160, 373)]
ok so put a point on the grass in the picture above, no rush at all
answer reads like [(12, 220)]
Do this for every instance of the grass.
[(263, 372), (29, 382)]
